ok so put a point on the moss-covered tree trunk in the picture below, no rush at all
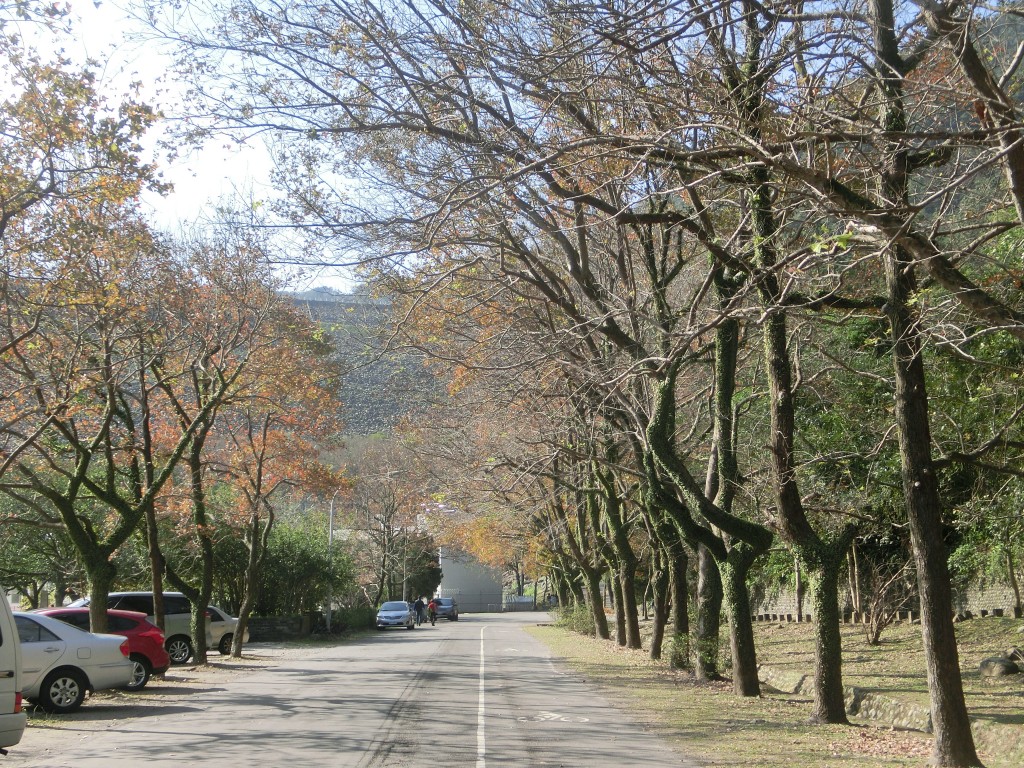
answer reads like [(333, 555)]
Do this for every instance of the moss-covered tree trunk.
[(829, 698), (596, 603), (741, 627), (708, 625), (820, 559), (660, 581), (680, 593), (680, 610), (101, 572), (630, 608), (620, 613), (586, 560)]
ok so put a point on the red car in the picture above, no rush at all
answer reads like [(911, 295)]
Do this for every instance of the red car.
[(145, 640)]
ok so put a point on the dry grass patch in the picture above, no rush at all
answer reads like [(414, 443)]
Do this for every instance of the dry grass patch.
[(714, 727), (896, 667)]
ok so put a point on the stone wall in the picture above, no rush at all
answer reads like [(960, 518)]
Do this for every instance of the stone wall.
[(264, 629), (978, 600), (782, 604), (985, 600)]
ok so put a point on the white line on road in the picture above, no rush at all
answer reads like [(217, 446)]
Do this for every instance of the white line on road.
[(481, 740)]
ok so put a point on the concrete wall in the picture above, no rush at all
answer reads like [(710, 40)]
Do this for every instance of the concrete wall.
[(475, 587)]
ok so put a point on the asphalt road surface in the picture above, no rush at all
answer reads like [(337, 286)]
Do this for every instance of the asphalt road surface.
[(478, 692)]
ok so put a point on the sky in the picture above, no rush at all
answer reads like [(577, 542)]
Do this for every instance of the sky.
[(218, 171), (106, 34)]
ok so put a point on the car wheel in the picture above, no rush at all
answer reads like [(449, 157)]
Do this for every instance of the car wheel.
[(454, 618), (141, 671), (62, 691), (410, 626), (224, 646), (179, 648)]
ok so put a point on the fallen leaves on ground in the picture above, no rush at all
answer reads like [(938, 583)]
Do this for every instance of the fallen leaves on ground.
[(883, 743)]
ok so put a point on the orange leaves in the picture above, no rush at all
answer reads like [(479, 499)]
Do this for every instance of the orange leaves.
[(496, 539)]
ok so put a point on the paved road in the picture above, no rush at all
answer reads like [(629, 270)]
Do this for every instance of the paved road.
[(478, 692)]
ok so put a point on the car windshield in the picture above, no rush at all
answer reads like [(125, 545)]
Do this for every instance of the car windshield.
[(444, 601), (394, 606)]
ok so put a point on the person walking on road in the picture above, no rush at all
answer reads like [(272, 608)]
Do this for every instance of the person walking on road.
[(432, 610), (421, 609)]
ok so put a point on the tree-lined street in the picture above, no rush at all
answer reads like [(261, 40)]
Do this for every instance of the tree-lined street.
[(477, 692), (685, 311)]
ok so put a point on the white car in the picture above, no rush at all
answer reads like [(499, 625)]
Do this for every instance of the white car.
[(61, 662), (12, 716)]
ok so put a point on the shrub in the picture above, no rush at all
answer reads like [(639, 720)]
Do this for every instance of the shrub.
[(679, 652), (355, 617), (577, 618)]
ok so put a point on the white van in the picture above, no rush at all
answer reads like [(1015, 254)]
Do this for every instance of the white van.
[(12, 718)]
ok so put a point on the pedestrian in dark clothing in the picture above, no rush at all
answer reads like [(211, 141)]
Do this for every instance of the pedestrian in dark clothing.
[(421, 609)]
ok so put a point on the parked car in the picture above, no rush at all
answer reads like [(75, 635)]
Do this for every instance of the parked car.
[(447, 608), (62, 662), (220, 628), (396, 613), (12, 716), (145, 640), (225, 626)]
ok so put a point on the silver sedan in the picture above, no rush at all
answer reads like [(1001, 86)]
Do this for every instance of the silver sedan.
[(396, 613)]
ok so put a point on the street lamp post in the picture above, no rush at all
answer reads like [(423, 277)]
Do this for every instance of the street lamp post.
[(330, 560)]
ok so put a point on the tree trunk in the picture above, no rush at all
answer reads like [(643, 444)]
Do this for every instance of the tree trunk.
[(563, 590), (156, 567), (630, 609), (1011, 571), (829, 697), (747, 539), (680, 593), (251, 591), (680, 610), (817, 555), (855, 598), (206, 551), (709, 616), (620, 612), (597, 604), (101, 574), (801, 589), (660, 588), (954, 743), (618, 552), (741, 628)]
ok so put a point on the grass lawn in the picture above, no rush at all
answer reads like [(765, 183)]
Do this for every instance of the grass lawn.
[(714, 727)]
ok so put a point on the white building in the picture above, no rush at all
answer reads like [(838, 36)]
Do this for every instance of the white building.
[(475, 587)]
